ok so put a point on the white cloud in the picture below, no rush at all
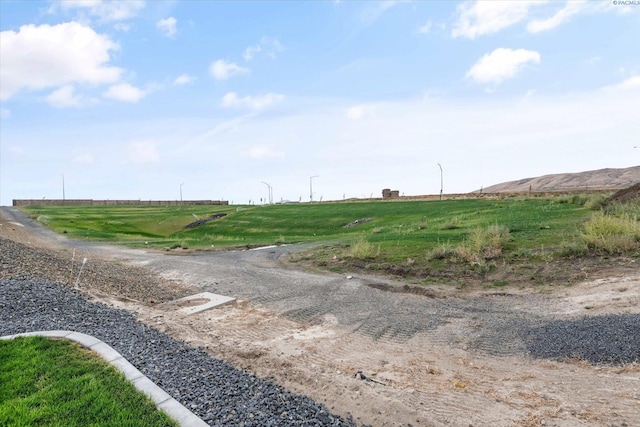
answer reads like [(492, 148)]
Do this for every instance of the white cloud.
[(259, 102), (359, 112), (271, 46), (222, 70), (143, 152), (477, 18), (167, 26), (124, 92), (183, 79), (260, 152), (113, 10), (501, 64), (125, 27), (83, 158), (39, 57), (561, 16), (250, 52), (64, 97), (426, 28), (355, 113), (268, 46), (631, 83)]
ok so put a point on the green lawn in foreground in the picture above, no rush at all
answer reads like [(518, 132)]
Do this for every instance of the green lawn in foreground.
[(400, 229), (46, 382)]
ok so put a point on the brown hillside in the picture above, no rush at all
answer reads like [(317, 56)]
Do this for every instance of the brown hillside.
[(598, 179)]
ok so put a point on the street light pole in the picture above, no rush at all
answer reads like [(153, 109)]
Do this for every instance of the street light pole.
[(63, 187), (440, 166), (311, 187), (181, 191), (270, 192)]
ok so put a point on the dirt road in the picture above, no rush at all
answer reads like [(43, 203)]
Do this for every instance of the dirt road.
[(438, 357)]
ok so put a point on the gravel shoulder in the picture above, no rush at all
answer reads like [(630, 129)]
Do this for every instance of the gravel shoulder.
[(446, 358)]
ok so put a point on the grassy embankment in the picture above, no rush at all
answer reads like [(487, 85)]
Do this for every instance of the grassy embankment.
[(59, 383), (430, 240)]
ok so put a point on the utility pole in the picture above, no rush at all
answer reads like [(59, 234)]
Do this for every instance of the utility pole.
[(440, 166), (311, 187)]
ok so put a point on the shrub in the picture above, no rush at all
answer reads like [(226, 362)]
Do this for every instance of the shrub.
[(361, 249), (595, 202), (612, 234), (484, 243), (624, 209), (452, 224), (441, 252)]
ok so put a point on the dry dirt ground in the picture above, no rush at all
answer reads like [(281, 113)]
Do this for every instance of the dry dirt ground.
[(452, 372)]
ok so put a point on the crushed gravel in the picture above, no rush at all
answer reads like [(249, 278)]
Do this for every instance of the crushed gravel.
[(609, 339), (18, 260), (214, 390)]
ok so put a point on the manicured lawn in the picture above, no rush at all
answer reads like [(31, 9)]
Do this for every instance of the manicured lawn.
[(46, 382)]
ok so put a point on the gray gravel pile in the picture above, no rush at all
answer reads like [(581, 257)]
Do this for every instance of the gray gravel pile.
[(610, 339), (214, 390), (19, 261)]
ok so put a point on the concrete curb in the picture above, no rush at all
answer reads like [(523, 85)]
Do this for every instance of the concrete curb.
[(163, 401)]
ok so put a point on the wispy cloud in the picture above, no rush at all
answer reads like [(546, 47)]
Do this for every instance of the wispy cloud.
[(143, 152), (262, 152), (168, 26), (85, 158), (65, 97), (268, 46), (124, 92), (258, 102), (478, 18), (183, 79), (501, 64), (106, 10), (426, 28), (223, 70), (561, 16)]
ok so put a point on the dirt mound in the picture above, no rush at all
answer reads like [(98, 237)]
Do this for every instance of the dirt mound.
[(626, 195)]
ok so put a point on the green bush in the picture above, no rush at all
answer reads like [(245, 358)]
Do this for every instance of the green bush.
[(361, 249), (595, 202), (484, 243), (612, 234)]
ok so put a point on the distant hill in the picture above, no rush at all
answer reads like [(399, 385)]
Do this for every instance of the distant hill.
[(598, 179)]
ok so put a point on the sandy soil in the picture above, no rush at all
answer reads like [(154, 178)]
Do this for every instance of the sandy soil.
[(424, 380)]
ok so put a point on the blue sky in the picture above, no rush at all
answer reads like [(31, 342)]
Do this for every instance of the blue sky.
[(135, 99)]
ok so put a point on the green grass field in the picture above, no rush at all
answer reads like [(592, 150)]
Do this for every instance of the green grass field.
[(45, 382), (414, 239), (417, 225)]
